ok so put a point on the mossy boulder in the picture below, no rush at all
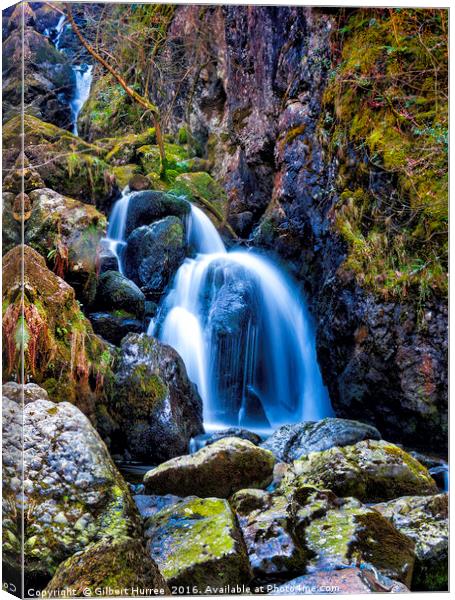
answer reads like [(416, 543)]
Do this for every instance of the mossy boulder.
[(291, 442), (148, 206), (67, 233), (218, 470), (150, 159), (117, 292), (61, 352), (424, 520), (11, 228), (115, 325), (64, 162), (115, 565), (73, 493), (154, 253), (155, 407), (124, 173), (196, 542), (267, 523), (371, 470)]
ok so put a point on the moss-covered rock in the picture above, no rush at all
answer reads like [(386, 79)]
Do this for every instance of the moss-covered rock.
[(148, 206), (61, 352), (149, 157), (156, 409), (73, 493), (113, 326), (67, 233), (117, 292), (196, 542), (424, 520), (115, 565), (369, 470), (218, 470)]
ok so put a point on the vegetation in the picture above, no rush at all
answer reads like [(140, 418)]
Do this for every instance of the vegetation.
[(386, 112)]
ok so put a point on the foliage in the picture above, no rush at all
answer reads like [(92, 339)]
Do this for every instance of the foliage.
[(386, 112)]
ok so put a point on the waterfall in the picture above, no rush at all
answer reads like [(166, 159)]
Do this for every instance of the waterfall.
[(83, 76), (59, 30), (244, 334), (115, 239)]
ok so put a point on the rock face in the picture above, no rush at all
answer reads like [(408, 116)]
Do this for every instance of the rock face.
[(197, 543), (111, 564), (67, 232), (424, 520), (155, 409), (62, 353), (74, 494), (216, 470), (371, 471), (291, 442), (154, 253)]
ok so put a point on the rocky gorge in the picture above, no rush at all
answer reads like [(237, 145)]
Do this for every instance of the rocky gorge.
[(225, 370)]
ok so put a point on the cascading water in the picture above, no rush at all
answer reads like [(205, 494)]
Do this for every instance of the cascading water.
[(244, 334), (115, 239), (59, 30), (83, 76)]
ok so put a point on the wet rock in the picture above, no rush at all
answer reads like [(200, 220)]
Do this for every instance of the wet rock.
[(371, 471), (424, 520), (351, 580), (217, 470), (266, 522), (197, 543), (67, 233), (112, 564), (205, 440), (30, 392), (150, 505), (148, 206), (106, 259), (201, 189), (73, 493), (154, 253), (155, 408), (291, 442), (118, 293), (114, 326), (62, 353), (11, 229)]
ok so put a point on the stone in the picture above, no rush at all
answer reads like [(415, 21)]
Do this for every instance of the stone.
[(291, 442), (67, 233), (139, 183), (154, 253), (62, 353), (148, 206), (206, 439), (114, 326), (73, 493), (115, 565), (117, 292), (371, 471), (217, 470), (155, 408), (424, 520), (150, 505), (196, 542), (29, 392), (351, 580)]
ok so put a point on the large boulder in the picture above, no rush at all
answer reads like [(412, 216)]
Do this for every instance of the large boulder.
[(29, 392), (116, 566), (148, 206), (216, 470), (371, 471), (62, 354), (196, 542), (67, 233), (424, 520), (154, 253), (291, 442), (155, 408), (209, 438), (114, 326), (73, 494), (117, 292)]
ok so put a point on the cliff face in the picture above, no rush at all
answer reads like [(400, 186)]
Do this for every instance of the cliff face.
[(254, 104)]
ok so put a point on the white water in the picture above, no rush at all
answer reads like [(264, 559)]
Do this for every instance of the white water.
[(115, 239), (83, 75), (59, 30), (262, 373)]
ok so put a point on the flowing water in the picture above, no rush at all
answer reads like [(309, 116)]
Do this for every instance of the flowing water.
[(83, 76), (115, 239), (243, 331), (59, 30)]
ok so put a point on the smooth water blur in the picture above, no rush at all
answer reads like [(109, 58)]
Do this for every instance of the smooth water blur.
[(243, 331), (83, 75), (59, 30), (115, 238)]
